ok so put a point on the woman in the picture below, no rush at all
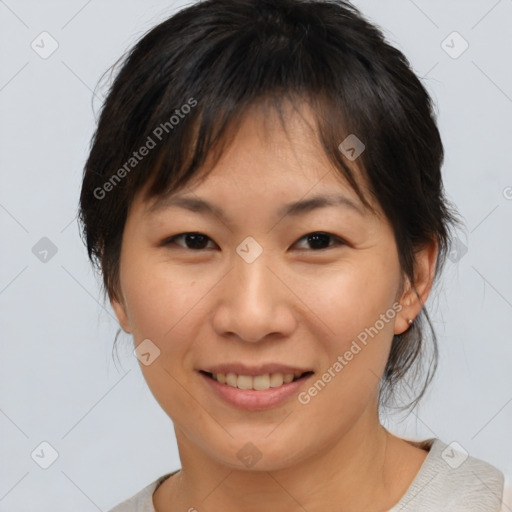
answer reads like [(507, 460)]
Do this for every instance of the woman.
[(237, 136)]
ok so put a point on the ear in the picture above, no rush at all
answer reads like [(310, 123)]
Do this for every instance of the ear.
[(121, 314), (415, 295)]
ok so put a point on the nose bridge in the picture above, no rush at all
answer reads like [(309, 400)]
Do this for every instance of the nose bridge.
[(254, 290), (251, 271), (256, 282), (254, 300)]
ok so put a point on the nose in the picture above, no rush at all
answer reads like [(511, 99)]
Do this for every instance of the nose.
[(254, 303)]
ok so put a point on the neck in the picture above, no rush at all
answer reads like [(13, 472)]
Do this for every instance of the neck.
[(357, 472)]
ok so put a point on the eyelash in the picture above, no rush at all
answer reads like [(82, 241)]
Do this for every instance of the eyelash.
[(337, 240)]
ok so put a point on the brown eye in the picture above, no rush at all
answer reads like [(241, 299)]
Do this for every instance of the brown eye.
[(320, 240), (193, 241)]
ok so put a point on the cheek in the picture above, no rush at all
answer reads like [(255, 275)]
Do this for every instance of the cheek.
[(156, 297), (163, 307), (168, 306), (354, 297), (359, 308)]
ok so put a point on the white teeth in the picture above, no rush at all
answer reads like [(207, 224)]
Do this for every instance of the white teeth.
[(259, 382), (231, 380), (244, 382), (276, 379)]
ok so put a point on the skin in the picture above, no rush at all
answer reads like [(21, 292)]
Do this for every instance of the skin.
[(295, 304)]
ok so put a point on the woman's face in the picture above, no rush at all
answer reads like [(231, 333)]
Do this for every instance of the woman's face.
[(252, 289)]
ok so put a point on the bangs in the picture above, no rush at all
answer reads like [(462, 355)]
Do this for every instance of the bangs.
[(206, 135)]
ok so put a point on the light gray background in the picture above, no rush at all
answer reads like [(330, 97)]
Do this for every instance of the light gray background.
[(58, 380)]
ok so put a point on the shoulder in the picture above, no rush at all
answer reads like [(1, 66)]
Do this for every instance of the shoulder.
[(453, 481), (143, 500), (507, 494)]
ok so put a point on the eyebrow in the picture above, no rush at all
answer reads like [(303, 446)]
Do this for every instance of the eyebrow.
[(300, 207)]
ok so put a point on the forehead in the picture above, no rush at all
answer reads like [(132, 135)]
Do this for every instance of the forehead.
[(275, 155)]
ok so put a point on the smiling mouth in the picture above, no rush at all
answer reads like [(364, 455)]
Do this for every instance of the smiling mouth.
[(258, 382)]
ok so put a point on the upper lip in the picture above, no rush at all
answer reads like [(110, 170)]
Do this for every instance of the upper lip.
[(242, 369)]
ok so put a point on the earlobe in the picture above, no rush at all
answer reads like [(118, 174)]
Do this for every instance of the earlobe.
[(122, 317), (415, 295)]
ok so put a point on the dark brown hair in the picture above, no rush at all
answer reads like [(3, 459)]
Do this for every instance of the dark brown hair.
[(194, 75)]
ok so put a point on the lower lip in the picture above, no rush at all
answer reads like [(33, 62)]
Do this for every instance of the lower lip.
[(252, 400)]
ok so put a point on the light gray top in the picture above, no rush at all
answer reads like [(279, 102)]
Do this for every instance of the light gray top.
[(449, 480)]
